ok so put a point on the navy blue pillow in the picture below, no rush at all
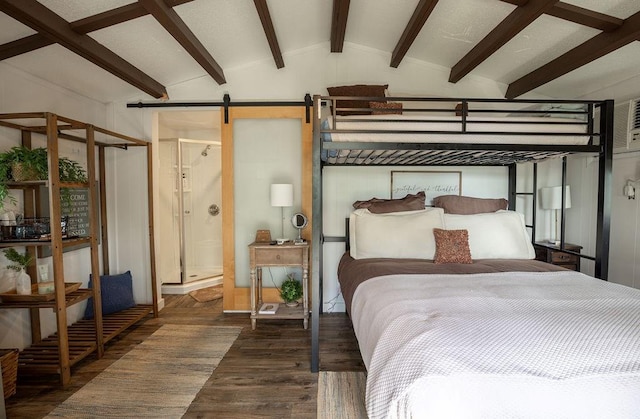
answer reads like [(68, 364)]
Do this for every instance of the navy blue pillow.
[(117, 294)]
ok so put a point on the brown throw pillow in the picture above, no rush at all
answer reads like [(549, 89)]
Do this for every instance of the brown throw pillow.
[(364, 90), (411, 202), (452, 246), (454, 204), (382, 108)]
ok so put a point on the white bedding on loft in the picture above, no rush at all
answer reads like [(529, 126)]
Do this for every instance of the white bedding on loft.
[(514, 344), (454, 124)]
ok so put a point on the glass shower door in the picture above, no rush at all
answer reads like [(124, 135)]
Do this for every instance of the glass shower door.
[(201, 219), (190, 200)]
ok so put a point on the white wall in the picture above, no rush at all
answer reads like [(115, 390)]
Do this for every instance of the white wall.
[(342, 186), (624, 261)]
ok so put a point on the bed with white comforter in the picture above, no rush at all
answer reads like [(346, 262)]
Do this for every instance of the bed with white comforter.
[(499, 345)]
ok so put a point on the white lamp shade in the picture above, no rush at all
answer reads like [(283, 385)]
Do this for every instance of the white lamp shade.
[(281, 195), (551, 198)]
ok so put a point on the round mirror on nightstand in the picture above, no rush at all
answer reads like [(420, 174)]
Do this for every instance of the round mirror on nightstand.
[(299, 221)]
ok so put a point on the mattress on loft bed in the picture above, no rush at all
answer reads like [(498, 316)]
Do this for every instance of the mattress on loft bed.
[(448, 129)]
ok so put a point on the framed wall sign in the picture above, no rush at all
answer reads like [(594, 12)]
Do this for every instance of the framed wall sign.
[(76, 207), (434, 184)]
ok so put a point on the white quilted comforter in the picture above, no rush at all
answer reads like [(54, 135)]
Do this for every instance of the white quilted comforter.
[(506, 345)]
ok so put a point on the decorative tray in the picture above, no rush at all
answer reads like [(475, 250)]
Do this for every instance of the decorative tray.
[(12, 297)]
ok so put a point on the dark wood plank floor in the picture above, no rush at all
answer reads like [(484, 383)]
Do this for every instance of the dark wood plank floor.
[(265, 374)]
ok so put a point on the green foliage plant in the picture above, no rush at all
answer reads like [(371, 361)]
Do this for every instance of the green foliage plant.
[(35, 163), (291, 289), (20, 261)]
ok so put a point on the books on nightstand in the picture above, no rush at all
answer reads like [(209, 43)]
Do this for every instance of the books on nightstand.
[(268, 308)]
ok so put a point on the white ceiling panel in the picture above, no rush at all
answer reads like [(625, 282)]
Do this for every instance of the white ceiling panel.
[(230, 30), (299, 24), (378, 23), (621, 9), (12, 29), (71, 10), (542, 41), (145, 44), (64, 68), (453, 29)]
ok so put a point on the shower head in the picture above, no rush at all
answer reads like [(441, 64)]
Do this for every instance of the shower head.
[(204, 152)]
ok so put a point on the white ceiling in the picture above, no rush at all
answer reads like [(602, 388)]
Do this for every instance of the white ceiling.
[(232, 33)]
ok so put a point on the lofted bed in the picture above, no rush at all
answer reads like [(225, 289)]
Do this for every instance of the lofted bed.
[(409, 131)]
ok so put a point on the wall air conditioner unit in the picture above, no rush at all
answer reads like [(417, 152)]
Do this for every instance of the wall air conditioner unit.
[(633, 140), (626, 128)]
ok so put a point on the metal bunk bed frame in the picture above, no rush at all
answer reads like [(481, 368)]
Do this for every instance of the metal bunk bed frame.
[(443, 154)]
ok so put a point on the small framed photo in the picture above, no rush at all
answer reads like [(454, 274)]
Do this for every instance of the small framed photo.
[(433, 183)]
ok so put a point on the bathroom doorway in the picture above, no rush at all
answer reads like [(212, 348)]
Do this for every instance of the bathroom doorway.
[(190, 233)]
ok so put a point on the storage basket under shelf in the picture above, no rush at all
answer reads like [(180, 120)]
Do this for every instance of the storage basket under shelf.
[(9, 364)]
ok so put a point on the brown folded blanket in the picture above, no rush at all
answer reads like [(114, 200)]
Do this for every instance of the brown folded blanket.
[(352, 272)]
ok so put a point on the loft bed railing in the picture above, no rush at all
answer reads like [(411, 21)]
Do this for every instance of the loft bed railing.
[(425, 144), (442, 147)]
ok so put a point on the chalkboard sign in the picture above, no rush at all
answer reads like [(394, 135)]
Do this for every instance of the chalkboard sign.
[(74, 203)]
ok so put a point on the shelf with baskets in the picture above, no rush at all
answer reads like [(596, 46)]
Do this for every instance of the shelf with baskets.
[(37, 233)]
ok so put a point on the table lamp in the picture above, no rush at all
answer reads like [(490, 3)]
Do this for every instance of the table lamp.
[(551, 199), (281, 196)]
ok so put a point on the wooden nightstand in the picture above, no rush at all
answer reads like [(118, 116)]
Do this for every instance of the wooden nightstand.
[(266, 255), (551, 253)]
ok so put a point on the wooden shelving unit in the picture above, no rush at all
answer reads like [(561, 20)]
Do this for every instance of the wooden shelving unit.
[(56, 354)]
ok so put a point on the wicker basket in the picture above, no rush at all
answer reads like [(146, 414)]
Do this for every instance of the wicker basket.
[(9, 364), (21, 173)]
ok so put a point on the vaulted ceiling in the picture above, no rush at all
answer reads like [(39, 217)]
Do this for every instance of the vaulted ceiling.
[(556, 48)]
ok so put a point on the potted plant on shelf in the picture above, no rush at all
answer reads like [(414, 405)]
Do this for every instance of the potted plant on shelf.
[(291, 291), (21, 164), (20, 263)]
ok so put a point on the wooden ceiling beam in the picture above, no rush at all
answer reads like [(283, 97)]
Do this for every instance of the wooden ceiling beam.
[(82, 26), (418, 19), (339, 18), (517, 20), (579, 15), (269, 31), (596, 47), (585, 17), (52, 26), (23, 45), (173, 24)]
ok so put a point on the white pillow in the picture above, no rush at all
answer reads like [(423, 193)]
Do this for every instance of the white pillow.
[(406, 234), (496, 235)]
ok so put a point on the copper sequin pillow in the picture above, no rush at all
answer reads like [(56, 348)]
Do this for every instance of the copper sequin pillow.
[(452, 246), (381, 108)]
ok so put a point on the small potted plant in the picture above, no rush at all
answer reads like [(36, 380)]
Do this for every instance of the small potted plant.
[(20, 263), (291, 291), (21, 164)]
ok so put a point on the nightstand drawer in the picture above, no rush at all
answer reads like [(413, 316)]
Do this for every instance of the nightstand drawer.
[(564, 258), (552, 254), (279, 257)]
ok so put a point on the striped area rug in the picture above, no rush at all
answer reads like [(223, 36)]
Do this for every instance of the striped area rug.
[(341, 395), (159, 378)]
